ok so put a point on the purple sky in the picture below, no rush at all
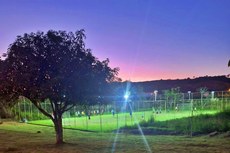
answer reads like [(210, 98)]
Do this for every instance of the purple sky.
[(147, 39)]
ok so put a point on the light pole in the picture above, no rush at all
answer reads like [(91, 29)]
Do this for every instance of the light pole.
[(189, 95), (155, 94), (212, 93), (191, 120), (100, 111), (155, 97), (117, 116), (126, 97)]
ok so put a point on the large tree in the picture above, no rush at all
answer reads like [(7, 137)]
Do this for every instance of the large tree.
[(57, 66)]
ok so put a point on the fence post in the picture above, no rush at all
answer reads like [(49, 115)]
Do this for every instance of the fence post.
[(222, 101), (75, 116), (31, 111), (100, 116), (191, 122), (19, 111), (24, 105)]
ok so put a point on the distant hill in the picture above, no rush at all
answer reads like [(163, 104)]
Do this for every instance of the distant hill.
[(213, 83)]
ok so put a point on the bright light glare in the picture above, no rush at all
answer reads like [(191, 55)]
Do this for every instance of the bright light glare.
[(126, 96)]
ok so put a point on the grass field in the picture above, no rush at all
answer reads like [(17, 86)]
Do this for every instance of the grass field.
[(25, 138), (108, 122)]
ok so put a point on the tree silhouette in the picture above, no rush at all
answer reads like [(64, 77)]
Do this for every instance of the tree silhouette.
[(202, 91), (172, 95), (57, 66), (8, 97)]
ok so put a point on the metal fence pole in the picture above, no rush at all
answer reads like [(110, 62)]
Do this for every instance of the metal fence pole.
[(19, 112)]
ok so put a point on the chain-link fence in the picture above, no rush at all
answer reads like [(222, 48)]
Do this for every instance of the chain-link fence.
[(117, 114)]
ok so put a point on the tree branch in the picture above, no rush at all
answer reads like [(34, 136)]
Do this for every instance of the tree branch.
[(37, 104), (68, 108)]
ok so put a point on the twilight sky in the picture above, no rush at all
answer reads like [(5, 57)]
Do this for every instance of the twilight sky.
[(146, 39)]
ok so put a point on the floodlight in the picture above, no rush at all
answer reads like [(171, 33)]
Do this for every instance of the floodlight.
[(155, 94), (189, 93), (126, 96), (213, 92)]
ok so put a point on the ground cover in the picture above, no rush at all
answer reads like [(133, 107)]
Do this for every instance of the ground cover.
[(193, 125), (27, 138)]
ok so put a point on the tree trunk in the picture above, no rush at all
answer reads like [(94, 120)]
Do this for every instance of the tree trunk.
[(56, 117), (58, 129)]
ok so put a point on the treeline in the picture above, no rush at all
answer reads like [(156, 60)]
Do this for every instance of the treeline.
[(214, 83)]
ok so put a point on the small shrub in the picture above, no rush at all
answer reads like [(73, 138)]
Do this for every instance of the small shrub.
[(147, 123), (144, 123)]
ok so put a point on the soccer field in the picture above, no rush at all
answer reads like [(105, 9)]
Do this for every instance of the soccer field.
[(108, 122)]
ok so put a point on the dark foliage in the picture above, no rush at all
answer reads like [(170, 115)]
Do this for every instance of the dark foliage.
[(214, 83), (57, 66), (8, 96)]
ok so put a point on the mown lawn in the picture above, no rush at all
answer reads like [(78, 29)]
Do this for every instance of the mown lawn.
[(27, 138)]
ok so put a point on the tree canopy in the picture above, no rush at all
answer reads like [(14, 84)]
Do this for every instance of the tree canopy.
[(8, 97), (57, 66)]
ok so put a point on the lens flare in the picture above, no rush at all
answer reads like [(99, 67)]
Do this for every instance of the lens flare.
[(123, 110)]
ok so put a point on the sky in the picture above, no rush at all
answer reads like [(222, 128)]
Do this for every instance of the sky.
[(146, 39)]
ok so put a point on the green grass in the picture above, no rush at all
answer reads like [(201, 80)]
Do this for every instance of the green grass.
[(107, 122), (103, 123), (198, 124), (20, 137)]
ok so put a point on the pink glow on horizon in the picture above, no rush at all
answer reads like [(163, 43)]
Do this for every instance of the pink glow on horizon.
[(149, 76), (147, 40), (144, 72)]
